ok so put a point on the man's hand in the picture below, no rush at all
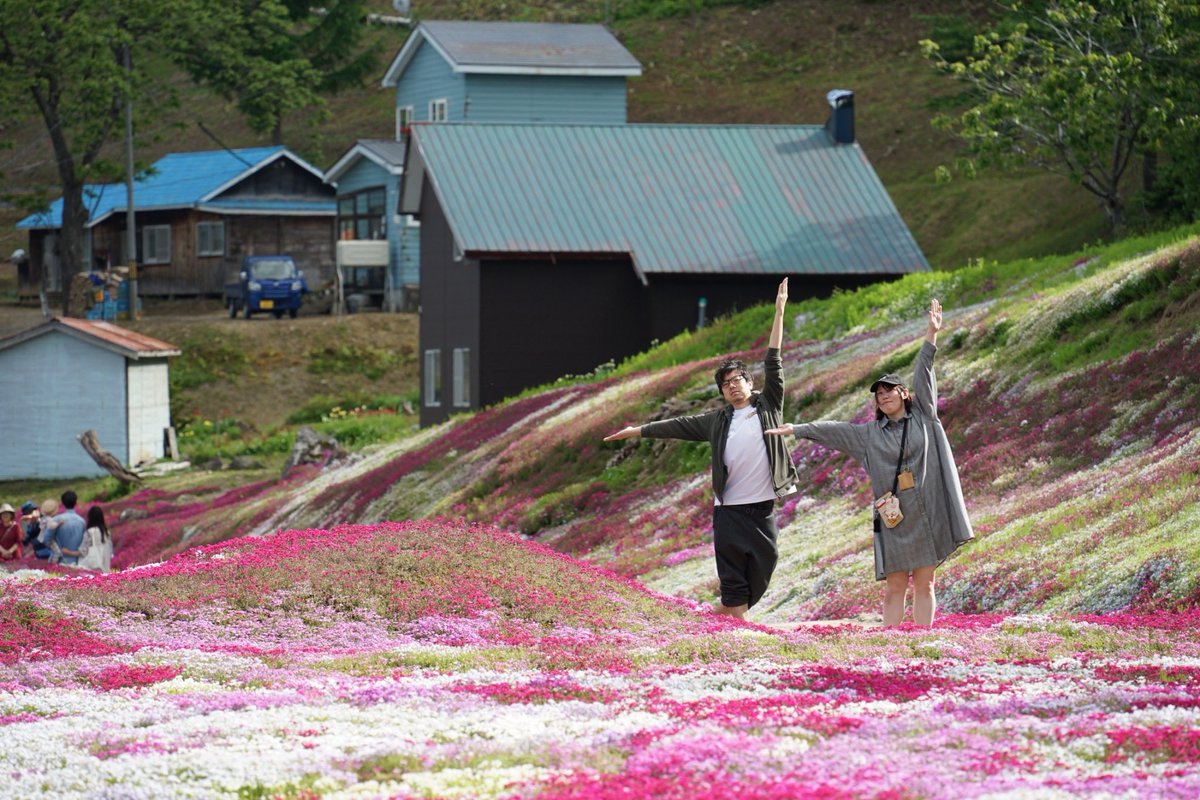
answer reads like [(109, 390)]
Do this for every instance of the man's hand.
[(783, 430), (624, 433), (935, 321), (775, 339)]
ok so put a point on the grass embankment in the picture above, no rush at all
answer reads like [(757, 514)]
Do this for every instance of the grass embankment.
[(1066, 389), (441, 658)]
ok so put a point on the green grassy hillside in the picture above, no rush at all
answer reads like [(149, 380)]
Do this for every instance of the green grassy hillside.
[(734, 62), (1067, 386)]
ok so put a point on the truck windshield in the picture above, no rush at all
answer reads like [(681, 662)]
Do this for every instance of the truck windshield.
[(275, 269)]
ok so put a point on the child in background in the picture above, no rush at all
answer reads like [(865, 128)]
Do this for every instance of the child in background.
[(11, 534)]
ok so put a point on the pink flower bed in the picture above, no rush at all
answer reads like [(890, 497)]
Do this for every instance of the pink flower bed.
[(443, 659)]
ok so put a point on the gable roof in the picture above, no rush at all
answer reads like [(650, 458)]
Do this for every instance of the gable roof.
[(190, 180), (387, 153), (519, 48), (120, 340), (761, 199)]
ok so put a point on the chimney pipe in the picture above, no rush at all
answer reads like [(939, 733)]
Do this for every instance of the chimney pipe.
[(841, 116)]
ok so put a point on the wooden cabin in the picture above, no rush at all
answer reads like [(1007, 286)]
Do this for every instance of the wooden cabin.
[(197, 214)]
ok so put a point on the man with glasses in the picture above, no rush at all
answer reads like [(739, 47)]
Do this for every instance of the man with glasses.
[(749, 469)]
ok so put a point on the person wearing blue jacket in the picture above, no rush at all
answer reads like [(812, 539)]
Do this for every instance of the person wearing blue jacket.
[(67, 530)]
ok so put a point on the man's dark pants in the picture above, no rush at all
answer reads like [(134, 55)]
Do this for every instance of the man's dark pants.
[(744, 539)]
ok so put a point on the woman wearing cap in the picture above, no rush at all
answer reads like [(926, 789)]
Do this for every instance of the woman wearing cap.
[(11, 534), (905, 451)]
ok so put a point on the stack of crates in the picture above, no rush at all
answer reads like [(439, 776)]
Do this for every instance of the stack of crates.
[(112, 303), (123, 302), (106, 305)]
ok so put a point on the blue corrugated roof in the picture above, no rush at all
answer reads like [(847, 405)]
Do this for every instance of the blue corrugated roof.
[(677, 198), (542, 48), (267, 205), (178, 180)]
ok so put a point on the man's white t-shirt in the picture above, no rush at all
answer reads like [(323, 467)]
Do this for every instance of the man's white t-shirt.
[(747, 466)]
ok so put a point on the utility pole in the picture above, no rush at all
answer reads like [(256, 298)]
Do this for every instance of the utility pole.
[(130, 227)]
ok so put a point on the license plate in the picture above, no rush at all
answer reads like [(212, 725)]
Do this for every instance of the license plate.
[(266, 303)]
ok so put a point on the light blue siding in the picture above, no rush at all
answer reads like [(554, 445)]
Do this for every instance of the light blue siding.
[(482, 97), (545, 98), (404, 241), (365, 174), (428, 77), (78, 386), (406, 253)]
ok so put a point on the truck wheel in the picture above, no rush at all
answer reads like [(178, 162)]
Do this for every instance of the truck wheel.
[(292, 312), (233, 309), (277, 314)]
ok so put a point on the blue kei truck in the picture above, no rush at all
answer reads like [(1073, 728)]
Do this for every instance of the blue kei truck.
[(266, 284)]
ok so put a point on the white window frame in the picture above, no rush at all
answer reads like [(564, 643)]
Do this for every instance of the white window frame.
[(215, 232), (432, 378), (404, 120), (156, 244), (462, 377), (439, 110)]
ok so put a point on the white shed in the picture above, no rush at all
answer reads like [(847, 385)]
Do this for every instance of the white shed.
[(67, 376)]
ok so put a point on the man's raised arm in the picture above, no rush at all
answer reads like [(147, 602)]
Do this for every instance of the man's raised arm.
[(776, 338)]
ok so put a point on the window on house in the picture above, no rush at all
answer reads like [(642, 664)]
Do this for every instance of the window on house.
[(361, 215), (433, 378), (156, 244), (462, 376), (210, 238), (404, 119), (439, 110)]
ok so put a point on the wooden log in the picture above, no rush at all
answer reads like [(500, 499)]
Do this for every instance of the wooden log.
[(109, 462)]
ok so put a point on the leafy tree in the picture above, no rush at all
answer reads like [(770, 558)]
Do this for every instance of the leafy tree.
[(1077, 88), (66, 61), (329, 36)]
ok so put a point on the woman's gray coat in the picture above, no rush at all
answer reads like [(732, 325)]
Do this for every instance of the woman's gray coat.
[(935, 516)]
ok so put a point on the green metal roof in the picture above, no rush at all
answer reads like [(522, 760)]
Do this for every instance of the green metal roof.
[(760, 199)]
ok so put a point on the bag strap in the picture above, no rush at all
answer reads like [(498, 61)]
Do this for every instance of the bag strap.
[(900, 460)]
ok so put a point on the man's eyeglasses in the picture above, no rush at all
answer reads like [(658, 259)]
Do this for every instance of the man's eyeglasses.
[(729, 382)]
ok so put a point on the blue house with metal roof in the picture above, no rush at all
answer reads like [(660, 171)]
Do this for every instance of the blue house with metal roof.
[(463, 71), (197, 215), (550, 249), (460, 71), (377, 248)]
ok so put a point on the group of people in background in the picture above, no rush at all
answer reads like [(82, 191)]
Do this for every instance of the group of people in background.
[(56, 533)]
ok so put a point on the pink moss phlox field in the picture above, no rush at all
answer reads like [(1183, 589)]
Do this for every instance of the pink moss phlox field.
[(120, 676), (31, 633), (470, 651), (448, 659)]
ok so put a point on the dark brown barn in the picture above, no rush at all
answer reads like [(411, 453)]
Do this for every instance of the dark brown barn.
[(548, 250)]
